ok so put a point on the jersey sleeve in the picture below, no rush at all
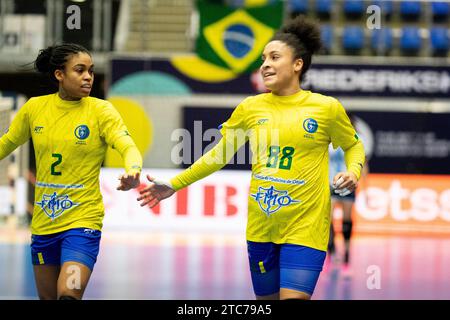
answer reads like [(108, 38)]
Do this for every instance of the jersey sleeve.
[(115, 134), (130, 154), (234, 131), (6, 147), (111, 125), (343, 135), (237, 118), (233, 137), (19, 130)]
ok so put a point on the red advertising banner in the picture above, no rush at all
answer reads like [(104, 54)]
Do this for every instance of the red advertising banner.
[(385, 203)]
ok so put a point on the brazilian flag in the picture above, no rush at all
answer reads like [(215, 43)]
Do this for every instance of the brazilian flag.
[(234, 38)]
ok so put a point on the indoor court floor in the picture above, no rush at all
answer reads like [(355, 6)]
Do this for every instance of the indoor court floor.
[(164, 266)]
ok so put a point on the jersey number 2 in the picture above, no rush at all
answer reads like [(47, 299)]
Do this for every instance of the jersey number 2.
[(54, 164)]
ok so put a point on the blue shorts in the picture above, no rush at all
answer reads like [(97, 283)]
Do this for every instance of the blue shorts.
[(274, 266), (79, 245)]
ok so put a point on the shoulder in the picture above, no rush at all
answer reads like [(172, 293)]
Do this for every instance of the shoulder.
[(329, 106), (40, 99), (256, 98), (98, 103), (35, 104), (252, 100), (100, 106), (324, 100)]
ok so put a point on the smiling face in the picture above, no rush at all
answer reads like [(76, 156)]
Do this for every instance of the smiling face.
[(76, 80), (280, 71)]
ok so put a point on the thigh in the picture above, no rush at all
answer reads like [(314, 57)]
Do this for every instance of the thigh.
[(79, 251), (73, 279), (264, 269), (290, 294), (46, 278), (300, 268), (347, 207)]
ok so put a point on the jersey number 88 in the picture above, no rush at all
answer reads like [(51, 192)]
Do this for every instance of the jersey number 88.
[(283, 162)]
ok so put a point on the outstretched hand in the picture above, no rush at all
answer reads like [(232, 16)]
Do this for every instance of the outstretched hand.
[(155, 192), (128, 182), (345, 183)]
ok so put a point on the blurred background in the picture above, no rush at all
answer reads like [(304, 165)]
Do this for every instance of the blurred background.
[(175, 69)]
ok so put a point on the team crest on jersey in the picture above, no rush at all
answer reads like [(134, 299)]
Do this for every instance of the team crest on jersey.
[(310, 125), (82, 132), (270, 200), (55, 205)]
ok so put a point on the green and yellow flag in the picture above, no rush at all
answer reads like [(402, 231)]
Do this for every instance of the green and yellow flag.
[(234, 38)]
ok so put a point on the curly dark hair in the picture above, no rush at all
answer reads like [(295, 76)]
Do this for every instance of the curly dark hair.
[(303, 36), (54, 58)]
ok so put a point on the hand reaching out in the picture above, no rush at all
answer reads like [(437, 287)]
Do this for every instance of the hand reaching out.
[(155, 192), (128, 182)]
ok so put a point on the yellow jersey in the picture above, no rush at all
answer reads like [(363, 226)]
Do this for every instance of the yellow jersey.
[(289, 200), (70, 139)]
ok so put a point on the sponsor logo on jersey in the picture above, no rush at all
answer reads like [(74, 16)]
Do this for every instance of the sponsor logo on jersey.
[(82, 132), (279, 180), (38, 129), (270, 200), (262, 121), (310, 125), (55, 205)]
